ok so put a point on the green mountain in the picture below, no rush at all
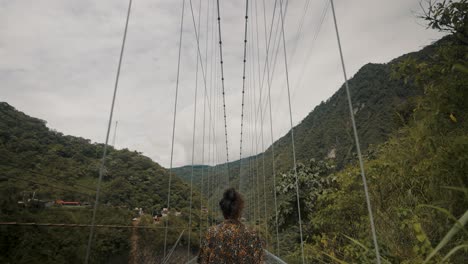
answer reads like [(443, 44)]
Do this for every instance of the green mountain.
[(382, 104), (40, 165)]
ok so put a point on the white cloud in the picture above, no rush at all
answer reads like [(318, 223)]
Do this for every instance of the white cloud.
[(59, 60)]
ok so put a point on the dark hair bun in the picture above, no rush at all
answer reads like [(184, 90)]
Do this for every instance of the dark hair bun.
[(230, 194), (231, 204)]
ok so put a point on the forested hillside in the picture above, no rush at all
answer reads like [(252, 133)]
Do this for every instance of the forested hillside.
[(417, 178), (39, 165)]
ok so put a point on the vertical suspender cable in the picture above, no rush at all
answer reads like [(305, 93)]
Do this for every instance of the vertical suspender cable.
[(255, 117), (204, 123), (251, 173), (174, 122), (104, 154), (261, 130), (194, 128), (292, 128), (222, 86), (271, 134), (243, 91), (210, 127), (115, 133), (356, 138), (215, 145), (202, 170)]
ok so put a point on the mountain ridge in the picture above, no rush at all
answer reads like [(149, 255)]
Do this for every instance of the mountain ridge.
[(381, 103)]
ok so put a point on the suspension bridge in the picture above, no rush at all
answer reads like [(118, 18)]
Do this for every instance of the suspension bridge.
[(256, 71)]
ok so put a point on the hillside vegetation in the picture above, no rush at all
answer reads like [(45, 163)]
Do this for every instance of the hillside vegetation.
[(39, 165)]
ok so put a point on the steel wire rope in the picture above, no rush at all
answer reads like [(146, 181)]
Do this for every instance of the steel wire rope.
[(276, 46), (271, 134), (194, 129), (292, 129), (210, 148), (299, 30), (210, 126), (199, 55), (174, 122), (253, 193), (299, 37), (219, 173), (204, 126), (247, 170), (101, 169), (223, 89), (243, 91), (252, 131), (255, 117), (274, 43), (316, 32), (115, 133), (356, 138), (215, 145), (261, 128), (249, 144), (311, 48)]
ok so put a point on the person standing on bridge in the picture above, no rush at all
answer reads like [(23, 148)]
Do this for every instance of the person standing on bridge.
[(231, 241)]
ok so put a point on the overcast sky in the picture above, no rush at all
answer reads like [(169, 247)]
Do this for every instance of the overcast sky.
[(58, 61)]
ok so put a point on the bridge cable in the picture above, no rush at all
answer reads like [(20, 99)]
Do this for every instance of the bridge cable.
[(292, 128), (311, 48), (261, 129), (243, 91), (174, 121), (255, 137), (299, 29), (194, 128), (214, 144), (356, 138), (223, 89), (271, 134), (210, 126), (309, 53), (251, 138), (204, 125), (101, 168)]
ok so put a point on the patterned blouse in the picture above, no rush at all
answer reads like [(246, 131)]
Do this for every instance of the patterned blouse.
[(231, 242)]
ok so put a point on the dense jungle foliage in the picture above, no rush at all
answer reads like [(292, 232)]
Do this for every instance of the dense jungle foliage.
[(39, 165), (417, 179)]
